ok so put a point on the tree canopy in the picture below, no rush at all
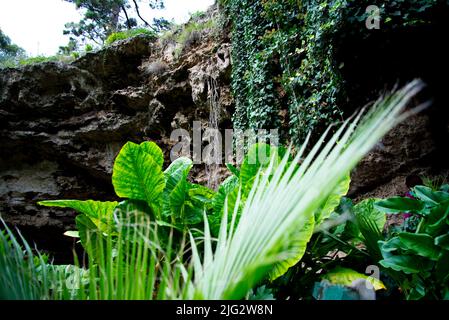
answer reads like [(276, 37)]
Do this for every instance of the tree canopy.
[(104, 17), (7, 48)]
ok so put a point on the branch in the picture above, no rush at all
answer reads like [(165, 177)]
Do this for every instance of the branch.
[(127, 18), (138, 13)]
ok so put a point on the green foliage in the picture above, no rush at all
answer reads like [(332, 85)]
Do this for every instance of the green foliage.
[(122, 35), (190, 34), (421, 257), (282, 58), (238, 186), (9, 53), (23, 275), (285, 58), (197, 15), (24, 61), (130, 265), (346, 277)]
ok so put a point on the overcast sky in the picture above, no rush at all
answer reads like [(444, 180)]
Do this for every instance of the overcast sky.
[(37, 25)]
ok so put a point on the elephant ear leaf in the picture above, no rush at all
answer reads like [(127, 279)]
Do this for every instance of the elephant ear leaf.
[(346, 277), (233, 169), (176, 186), (400, 205), (230, 184), (100, 213), (154, 151), (177, 170), (296, 249), (422, 244), (89, 234), (430, 196), (137, 172), (258, 157), (367, 209), (333, 200)]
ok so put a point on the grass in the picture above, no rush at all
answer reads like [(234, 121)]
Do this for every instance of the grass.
[(187, 35), (24, 61)]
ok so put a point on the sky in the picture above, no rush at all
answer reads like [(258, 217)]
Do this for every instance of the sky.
[(37, 25)]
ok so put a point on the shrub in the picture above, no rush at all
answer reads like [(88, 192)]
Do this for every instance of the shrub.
[(198, 15), (122, 35), (191, 35)]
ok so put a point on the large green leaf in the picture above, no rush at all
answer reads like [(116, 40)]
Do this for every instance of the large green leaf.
[(368, 210), (442, 267), (226, 187), (421, 244), (332, 201), (390, 246), (407, 263), (154, 151), (296, 249), (177, 169), (201, 194), (137, 172), (197, 199), (178, 197), (175, 191), (370, 223), (400, 205), (100, 213), (436, 221), (346, 276), (184, 202), (258, 157), (88, 233), (428, 195)]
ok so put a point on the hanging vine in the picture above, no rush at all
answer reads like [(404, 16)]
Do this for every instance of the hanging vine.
[(284, 58)]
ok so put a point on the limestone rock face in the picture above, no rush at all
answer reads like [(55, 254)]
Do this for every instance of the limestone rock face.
[(409, 149)]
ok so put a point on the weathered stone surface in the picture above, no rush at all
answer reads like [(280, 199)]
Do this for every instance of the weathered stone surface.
[(63, 124), (409, 149)]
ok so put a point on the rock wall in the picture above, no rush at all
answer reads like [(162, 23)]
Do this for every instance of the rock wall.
[(63, 124)]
